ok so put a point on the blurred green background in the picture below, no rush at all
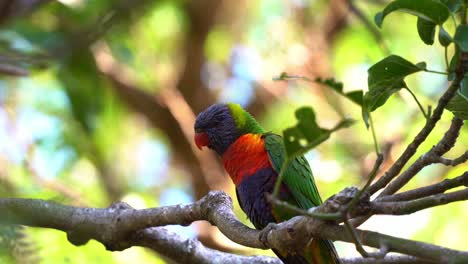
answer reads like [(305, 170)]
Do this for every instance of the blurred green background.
[(98, 98)]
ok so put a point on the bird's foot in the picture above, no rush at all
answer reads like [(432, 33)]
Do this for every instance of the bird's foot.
[(263, 237)]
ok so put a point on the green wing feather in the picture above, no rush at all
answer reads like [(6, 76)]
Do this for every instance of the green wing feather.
[(298, 175)]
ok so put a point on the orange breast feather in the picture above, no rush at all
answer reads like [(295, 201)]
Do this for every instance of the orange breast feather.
[(245, 156)]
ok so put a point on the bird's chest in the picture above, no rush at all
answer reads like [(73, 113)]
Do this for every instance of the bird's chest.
[(251, 194), (245, 157)]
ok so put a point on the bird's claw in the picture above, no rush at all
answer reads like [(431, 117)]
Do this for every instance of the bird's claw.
[(263, 237)]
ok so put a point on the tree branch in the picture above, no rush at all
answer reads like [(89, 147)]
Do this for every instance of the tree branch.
[(119, 226), (437, 188), (453, 162), (396, 168), (409, 207), (444, 145), (185, 250), (386, 260)]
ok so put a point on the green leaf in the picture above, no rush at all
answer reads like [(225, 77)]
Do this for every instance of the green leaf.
[(459, 106), (365, 116), (386, 77), (444, 38), (330, 82), (307, 134), (355, 96), (426, 30), (461, 37), (453, 5), (421, 65), (430, 10), (82, 84), (375, 98), (463, 91), (453, 65)]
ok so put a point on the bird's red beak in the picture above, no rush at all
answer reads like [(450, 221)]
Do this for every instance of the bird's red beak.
[(201, 140)]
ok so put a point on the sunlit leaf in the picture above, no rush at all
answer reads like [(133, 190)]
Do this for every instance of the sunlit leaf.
[(307, 134), (461, 37), (426, 30), (386, 77), (430, 10)]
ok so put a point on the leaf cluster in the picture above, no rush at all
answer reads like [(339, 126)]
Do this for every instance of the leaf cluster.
[(387, 76)]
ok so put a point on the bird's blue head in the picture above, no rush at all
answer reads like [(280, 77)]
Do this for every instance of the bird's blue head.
[(218, 126)]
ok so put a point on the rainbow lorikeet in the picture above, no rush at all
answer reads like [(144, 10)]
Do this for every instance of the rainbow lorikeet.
[(253, 159)]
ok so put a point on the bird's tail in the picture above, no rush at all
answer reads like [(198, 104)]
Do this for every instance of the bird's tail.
[(318, 251)]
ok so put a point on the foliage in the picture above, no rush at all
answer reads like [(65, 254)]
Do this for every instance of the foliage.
[(88, 123)]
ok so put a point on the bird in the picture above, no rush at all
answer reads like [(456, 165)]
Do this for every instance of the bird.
[(253, 159)]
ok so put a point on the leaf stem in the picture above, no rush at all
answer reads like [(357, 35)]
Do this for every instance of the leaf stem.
[(417, 101), (310, 212), (355, 238), (370, 179), (280, 177), (437, 72), (446, 58), (374, 136)]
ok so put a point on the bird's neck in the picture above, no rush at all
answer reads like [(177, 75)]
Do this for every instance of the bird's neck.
[(245, 156)]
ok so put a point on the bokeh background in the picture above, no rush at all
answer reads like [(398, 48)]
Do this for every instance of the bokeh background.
[(98, 99)]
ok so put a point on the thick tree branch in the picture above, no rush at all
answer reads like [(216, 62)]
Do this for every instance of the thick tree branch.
[(185, 250), (386, 260), (117, 226)]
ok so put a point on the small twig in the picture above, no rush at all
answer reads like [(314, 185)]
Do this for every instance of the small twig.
[(437, 188), (371, 177), (417, 102), (280, 176), (381, 253), (432, 156), (342, 214), (453, 162), (357, 242), (409, 207), (417, 141), (345, 213)]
